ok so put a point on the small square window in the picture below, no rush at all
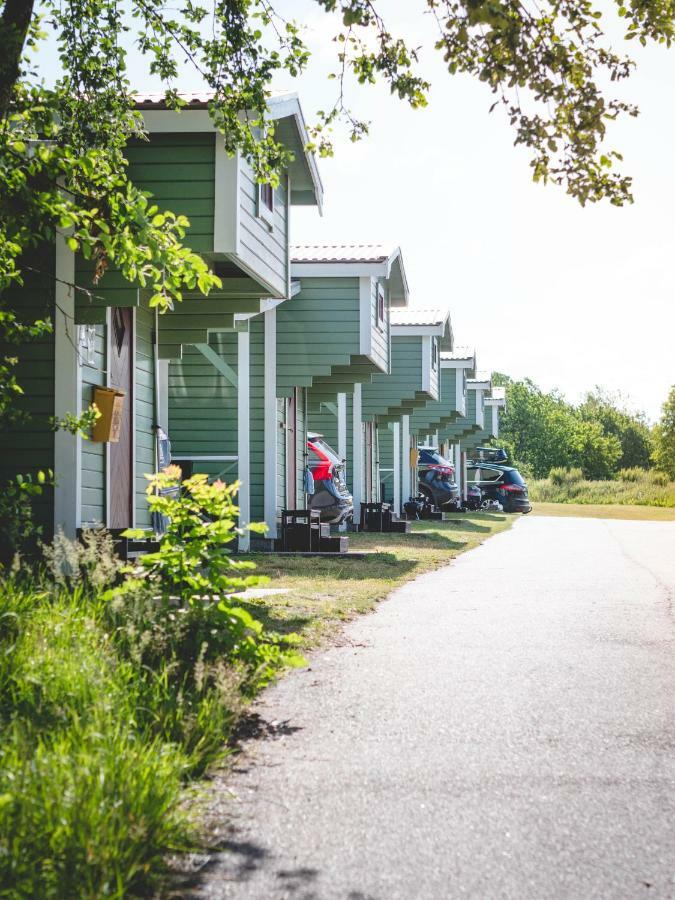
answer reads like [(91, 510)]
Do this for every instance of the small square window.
[(434, 354), (266, 204), (380, 305)]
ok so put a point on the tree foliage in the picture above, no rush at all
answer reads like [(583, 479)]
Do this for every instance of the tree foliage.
[(542, 431), (664, 437)]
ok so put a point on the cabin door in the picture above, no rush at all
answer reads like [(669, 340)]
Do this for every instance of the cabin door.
[(120, 508), (292, 451)]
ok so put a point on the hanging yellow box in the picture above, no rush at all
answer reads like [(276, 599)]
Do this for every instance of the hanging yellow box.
[(110, 403)]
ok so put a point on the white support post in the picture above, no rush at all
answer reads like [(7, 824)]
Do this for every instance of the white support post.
[(495, 421), (243, 434), (67, 395), (465, 475), (405, 458), (457, 459), (163, 399), (396, 429), (357, 452), (342, 425), (271, 431)]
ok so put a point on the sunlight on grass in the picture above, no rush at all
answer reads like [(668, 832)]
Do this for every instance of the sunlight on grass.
[(324, 592), (605, 511)]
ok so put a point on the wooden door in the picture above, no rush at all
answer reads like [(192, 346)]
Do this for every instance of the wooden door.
[(120, 509), (292, 451)]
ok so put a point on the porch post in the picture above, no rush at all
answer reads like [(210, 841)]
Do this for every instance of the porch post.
[(271, 430), (163, 399), (396, 429), (342, 425), (405, 457), (243, 434), (464, 475), (67, 395), (459, 474), (357, 452)]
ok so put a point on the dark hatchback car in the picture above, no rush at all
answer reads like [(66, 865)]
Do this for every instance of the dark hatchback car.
[(502, 483), (437, 479), (331, 495)]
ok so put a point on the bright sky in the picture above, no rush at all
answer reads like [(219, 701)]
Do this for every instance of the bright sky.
[(540, 287)]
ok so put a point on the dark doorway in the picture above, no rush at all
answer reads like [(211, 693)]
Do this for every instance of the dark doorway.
[(120, 508)]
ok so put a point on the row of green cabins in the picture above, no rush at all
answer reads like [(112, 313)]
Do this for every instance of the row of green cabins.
[(300, 338)]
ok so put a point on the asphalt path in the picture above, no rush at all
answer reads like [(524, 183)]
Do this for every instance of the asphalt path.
[(500, 728)]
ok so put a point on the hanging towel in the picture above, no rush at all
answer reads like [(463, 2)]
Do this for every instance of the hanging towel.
[(309, 481)]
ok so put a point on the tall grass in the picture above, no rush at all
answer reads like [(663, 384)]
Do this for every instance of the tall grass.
[(109, 702), (632, 486)]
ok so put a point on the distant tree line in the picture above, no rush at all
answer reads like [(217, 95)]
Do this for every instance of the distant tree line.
[(601, 436)]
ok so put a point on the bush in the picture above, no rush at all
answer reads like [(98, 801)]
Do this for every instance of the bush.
[(633, 474), (562, 476), (110, 700)]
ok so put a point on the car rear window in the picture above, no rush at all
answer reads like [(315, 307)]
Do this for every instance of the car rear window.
[(328, 451), (433, 457), (514, 477)]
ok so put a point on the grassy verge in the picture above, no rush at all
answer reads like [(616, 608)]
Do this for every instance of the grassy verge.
[(110, 702), (323, 593), (605, 511), (633, 487)]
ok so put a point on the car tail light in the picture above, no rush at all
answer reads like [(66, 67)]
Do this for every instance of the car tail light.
[(443, 470), (512, 488)]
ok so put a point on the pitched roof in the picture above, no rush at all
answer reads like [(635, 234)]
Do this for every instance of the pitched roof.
[(325, 253), (459, 353), (193, 99), (418, 316)]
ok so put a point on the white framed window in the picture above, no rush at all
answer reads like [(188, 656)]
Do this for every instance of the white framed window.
[(380, 307), (266, 204), (434, 354)]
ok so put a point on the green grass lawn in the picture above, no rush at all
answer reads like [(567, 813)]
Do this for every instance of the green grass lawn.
[(605, 511), (324, 592)]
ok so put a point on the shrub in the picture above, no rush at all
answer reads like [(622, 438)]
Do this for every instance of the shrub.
[(562, 476), (90, 561), (633, 474)]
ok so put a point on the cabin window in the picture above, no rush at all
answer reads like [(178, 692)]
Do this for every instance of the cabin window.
[(266, 204), (380, 306)]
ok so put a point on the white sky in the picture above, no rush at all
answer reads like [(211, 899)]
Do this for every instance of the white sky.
[(570, 297)]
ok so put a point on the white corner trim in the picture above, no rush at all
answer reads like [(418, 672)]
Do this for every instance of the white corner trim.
[(480, 409), (226, 209), (134, 404), (405, 458), (460, 393), (270, 422), (243, 435), (342, 425), (357, 451), (67, 395), (365, 315), (426, 364), (396, 429)]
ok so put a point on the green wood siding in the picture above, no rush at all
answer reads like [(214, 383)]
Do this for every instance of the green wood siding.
[(399, 392), (28, 447), (179, 170), (203, 406), (436, 414), (317, 330), (93, 454), (261, 248)]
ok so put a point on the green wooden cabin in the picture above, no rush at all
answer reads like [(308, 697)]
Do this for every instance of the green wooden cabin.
[(178, 370), (390, 401), (334, 337)]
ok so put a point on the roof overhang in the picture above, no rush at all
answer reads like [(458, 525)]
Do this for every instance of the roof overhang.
[(389, 268), (285, 109), (475, 385)]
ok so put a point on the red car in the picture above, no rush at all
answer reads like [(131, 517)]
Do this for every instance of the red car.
[(331, 495)]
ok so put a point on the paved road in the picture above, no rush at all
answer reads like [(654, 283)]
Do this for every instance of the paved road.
[(502, 728)]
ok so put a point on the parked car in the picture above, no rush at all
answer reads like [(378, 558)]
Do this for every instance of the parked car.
[(502, 483), (489, 454), (331, 495), (436, 479)]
